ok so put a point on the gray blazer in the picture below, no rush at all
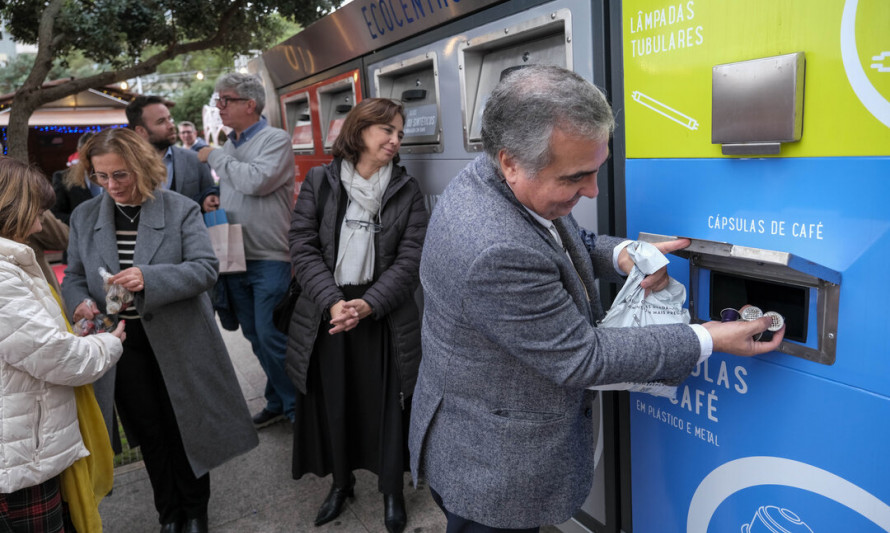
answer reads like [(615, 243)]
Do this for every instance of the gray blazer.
[(501, 423), (191, 177), (174, 253)]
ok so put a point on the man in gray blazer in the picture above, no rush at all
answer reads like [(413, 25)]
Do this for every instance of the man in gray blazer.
[(150, 118), (501, 424)]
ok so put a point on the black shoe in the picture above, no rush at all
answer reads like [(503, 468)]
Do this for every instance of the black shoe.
[(394, 516), (195, 525), (333, 504), (267, 418), (172, 527)]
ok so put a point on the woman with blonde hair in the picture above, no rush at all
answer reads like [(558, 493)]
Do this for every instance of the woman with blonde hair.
[(174, 388), (41, 363)]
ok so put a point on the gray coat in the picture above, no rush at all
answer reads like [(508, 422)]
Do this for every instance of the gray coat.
[(191, 177), (174, 253), (501, 424), (313, 248)]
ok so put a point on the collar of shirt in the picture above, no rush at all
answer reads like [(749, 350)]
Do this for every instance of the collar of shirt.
[(238, 140), (548, 225), (168, 162)]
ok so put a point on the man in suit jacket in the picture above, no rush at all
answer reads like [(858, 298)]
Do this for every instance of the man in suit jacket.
[(188, 134), (501, 421), (150, 118)]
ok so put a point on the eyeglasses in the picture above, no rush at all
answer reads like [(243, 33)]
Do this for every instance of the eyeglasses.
[(118, 176), (222, 102), (366, 225)]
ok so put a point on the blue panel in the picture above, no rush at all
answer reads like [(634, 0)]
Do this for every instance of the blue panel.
[(833, 211), (746, 434), (754, 443)]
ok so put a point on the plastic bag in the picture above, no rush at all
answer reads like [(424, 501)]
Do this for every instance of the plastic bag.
[(632, 308), (98, 324), (117, 298)]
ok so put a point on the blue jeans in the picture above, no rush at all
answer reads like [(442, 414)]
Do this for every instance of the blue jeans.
[(254, 295)]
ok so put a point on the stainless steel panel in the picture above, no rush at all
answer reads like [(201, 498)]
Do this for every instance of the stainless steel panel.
[(774, 266), (415, 82), (545, 40), (758, 103), (298, 122), (271, 111), (356, 29), (334, 103)]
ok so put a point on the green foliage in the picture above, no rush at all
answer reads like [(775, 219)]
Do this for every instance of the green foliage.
[(190, 104), (74, 66), (119, 32), (125, 39)]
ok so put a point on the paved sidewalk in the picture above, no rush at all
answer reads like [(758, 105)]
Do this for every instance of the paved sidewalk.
[(255, 493)]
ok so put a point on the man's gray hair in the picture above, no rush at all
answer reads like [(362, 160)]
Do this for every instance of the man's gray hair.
[(245, 86), (529, 103)]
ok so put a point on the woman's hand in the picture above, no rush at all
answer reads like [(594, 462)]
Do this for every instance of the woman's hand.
[(85, 309), (346, 315), (342, 318), (119, 331), (362, 307), (130, 279)]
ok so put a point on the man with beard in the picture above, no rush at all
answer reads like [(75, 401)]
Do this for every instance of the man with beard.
[(150, 118)]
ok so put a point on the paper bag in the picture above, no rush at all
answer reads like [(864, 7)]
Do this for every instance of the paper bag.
[(228, 245)]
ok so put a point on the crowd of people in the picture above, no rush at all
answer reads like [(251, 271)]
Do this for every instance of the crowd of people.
[(485, 399)]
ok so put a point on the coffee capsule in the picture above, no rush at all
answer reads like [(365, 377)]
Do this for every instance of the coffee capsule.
[(778, 320), (729, 315), (751, 313)]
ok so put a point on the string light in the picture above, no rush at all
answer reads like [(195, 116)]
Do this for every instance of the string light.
[(75, 129), (78, 130)]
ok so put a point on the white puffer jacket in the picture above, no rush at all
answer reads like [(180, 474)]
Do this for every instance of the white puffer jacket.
[(40, 363)]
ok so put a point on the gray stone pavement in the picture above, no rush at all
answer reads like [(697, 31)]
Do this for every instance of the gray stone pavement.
[(255, 493)]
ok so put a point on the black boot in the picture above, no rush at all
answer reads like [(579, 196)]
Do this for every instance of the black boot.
[(171, 527), (394, 516), (333, 504), (195, 525)]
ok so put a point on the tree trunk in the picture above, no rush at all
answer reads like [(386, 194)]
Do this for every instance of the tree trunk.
[(17, 131)]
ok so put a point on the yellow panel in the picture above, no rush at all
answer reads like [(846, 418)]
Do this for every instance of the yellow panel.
[(671, 47)]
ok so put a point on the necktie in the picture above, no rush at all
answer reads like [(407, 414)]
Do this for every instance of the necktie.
[(555, 235)]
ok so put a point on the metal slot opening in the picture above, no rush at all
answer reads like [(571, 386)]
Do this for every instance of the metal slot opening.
[(790, 301), (416, 82)]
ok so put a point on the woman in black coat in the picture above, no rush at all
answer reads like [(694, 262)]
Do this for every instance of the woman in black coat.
[(354, 341)]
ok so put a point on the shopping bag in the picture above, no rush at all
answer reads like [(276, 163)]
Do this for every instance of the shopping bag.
[(228, 242), (633, 308)]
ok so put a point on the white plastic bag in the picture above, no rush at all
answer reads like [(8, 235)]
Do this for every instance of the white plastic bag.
[(632, 308)]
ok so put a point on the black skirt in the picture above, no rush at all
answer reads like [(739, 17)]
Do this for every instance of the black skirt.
[(351, 416)]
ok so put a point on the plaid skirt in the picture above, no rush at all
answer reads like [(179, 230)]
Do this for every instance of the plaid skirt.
[(36, 509)]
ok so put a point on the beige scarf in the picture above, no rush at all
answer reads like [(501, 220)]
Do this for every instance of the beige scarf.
[(355, 254)]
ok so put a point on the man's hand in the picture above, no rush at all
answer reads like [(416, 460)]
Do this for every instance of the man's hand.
[(204, 153), (210, 203), (658, 280), (737, 337)]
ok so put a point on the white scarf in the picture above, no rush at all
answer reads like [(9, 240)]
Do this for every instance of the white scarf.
[(355, 253)]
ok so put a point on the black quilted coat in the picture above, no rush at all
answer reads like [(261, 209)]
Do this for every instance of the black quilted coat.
[(313, 241)]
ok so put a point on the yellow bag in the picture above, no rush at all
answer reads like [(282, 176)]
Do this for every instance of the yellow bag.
[(89, 479)]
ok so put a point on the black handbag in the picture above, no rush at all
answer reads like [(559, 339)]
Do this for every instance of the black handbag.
[(284, 310)]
